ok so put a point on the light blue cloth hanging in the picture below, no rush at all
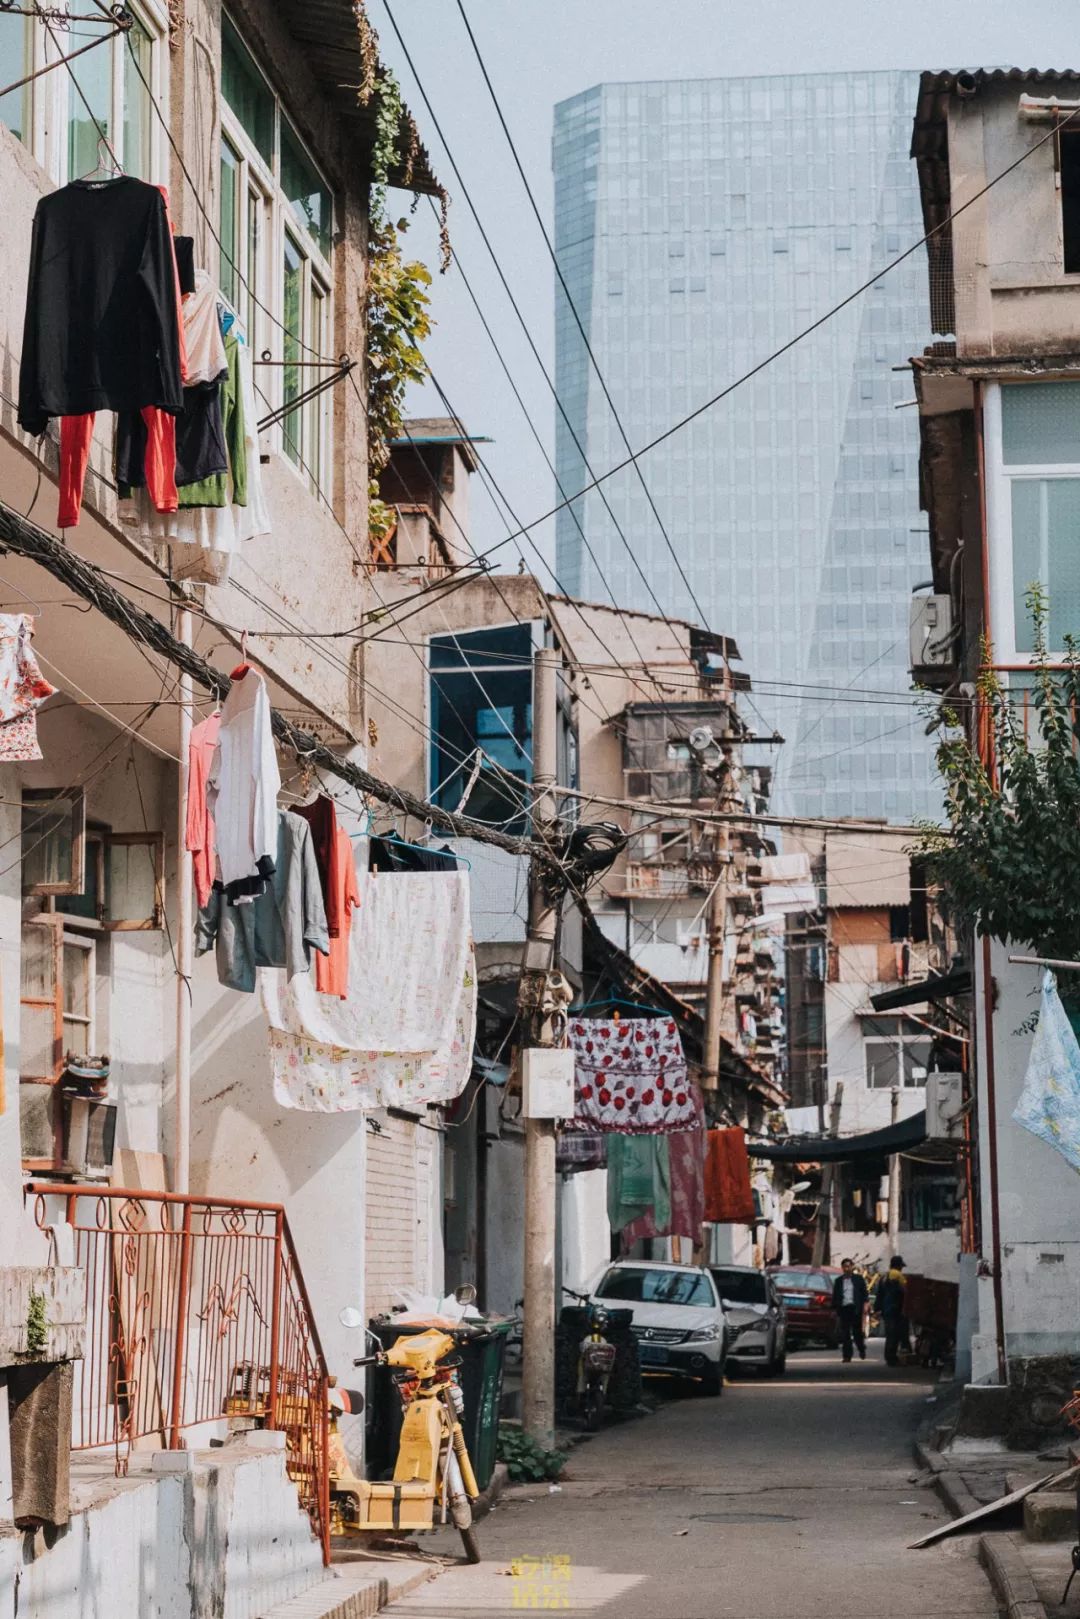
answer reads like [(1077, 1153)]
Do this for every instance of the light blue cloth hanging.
[(1049, 1104)]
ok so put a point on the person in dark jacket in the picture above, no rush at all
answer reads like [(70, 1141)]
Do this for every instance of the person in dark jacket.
[(889, 1303), (849, 1302)]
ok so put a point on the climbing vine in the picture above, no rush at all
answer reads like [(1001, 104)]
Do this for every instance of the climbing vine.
[(1006, 858), (398, 318)]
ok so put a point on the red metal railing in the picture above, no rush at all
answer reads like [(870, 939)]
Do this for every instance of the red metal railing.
[(196, 1311)]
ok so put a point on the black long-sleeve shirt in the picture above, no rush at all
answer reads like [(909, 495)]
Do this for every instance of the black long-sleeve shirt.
[(102, 327)]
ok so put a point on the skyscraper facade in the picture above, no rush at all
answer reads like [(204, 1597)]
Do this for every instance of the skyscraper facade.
[(700, 225)]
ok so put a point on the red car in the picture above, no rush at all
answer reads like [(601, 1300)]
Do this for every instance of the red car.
[(806, 1293)]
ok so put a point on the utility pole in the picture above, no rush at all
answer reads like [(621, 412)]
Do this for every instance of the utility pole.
[(543, 999), (824, 1219), (894, 1172), (714, 993), (184, 934)]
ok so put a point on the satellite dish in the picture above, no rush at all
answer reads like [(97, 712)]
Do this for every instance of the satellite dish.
[(701, 738)]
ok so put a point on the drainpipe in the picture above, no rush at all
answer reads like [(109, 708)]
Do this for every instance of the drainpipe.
[(185, 935), (992, 1154), (988, 982)]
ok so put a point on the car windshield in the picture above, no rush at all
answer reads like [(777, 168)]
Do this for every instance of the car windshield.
[(815, 1279), (741, 1286), (656, 1286)]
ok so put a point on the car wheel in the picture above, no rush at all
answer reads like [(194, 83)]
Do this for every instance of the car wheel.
[(712, 1383), (778, 1366)]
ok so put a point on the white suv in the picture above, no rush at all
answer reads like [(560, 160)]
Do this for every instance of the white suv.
[(678, 1319)]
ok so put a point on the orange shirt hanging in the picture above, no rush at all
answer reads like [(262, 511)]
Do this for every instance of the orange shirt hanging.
[(332, 971)]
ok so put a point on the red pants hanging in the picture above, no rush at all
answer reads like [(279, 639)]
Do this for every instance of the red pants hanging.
[(76, 433)]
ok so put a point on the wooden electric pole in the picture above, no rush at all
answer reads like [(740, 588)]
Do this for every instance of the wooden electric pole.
[(543, 998), (824, 1219)]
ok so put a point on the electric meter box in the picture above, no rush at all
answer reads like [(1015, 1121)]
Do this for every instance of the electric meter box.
[(547, 1082), (944, 1100)]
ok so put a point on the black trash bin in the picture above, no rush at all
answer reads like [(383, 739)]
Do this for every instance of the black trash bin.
[(480, 1375)]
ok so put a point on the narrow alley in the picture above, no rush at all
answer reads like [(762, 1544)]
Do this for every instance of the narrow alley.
[(794, 1496)]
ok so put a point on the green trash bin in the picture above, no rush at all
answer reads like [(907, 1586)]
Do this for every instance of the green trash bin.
[(481, 1377)]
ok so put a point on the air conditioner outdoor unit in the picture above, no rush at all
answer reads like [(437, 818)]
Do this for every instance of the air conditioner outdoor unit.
[(944, 1100), (931, 645)]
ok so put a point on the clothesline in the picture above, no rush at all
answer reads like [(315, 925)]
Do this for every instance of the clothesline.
[(26, 539)]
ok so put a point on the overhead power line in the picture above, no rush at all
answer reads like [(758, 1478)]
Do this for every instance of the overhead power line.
[(777, 353), (593, 361)]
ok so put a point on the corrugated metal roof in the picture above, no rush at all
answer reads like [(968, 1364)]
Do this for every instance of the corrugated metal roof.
[(328, 32)]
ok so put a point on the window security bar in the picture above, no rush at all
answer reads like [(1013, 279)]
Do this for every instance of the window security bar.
[(122, 21), (1046, 961)]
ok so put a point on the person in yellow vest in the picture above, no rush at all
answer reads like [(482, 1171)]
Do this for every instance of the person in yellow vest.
[(889, 1303)]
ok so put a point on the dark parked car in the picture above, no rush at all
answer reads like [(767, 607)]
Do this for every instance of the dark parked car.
[(806, 1293)]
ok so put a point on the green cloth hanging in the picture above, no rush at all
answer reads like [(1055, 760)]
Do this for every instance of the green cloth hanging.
[(639, 1180)]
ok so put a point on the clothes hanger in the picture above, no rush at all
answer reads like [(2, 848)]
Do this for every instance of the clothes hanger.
[(112, 167), (36, 605), (425, 848), (243, 667), (617, 1001)]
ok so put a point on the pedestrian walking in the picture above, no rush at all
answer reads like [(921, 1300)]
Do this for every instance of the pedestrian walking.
[(890, 1306), (849, 1301)]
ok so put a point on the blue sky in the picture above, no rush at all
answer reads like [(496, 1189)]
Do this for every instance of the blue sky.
[(539, 52)]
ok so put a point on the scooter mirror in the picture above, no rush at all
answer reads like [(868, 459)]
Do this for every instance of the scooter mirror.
[(351, 1317), (466, 1293)]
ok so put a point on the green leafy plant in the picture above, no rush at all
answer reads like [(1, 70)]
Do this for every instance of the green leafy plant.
[(37, 1326), (1006, 858), (397, 301), (397, 323), (528, 1461)]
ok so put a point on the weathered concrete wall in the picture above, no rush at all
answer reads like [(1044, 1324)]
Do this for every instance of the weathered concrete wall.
[(226, 1541), (925, 1253), (1012, 294), (1040, 1255)]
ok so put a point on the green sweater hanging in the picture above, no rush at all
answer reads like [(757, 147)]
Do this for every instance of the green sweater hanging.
[(214, 490)]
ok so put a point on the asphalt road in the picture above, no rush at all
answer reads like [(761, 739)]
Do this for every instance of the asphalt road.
[(794, 1497)]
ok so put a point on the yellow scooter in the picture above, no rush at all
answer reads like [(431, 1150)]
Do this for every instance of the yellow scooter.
[(433, 1478)]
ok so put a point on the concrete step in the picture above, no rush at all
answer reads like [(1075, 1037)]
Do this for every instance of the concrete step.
[(355, 1591), (1050, 1515)]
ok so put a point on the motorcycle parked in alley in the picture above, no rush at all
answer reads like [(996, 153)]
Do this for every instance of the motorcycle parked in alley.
[(433, 1480), (595, 1362)]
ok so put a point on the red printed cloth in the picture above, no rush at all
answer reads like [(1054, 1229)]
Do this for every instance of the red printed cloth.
[(630, 1076)]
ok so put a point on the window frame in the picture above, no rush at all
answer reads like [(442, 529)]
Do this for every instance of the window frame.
[(314, 445), (918, 1037), (52, 97), (1000, 477), (77, 882)]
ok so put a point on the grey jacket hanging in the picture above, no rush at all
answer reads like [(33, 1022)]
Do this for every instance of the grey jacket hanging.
[(281, 927)]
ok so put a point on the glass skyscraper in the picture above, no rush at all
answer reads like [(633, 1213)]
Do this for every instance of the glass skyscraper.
[(700, 225)]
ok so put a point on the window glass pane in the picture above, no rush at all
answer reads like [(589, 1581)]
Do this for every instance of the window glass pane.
[(1040, 423), (131, 882), (255, 213), (47, 848), (76, 981), (246, 91), (490, 710), (318, 405), (656, 1287), (90, 114), (89, 903), (308, 198), (1046, 548), (137, 110), (15, 61), (882, 1067), (292, 349), (229, 272)]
